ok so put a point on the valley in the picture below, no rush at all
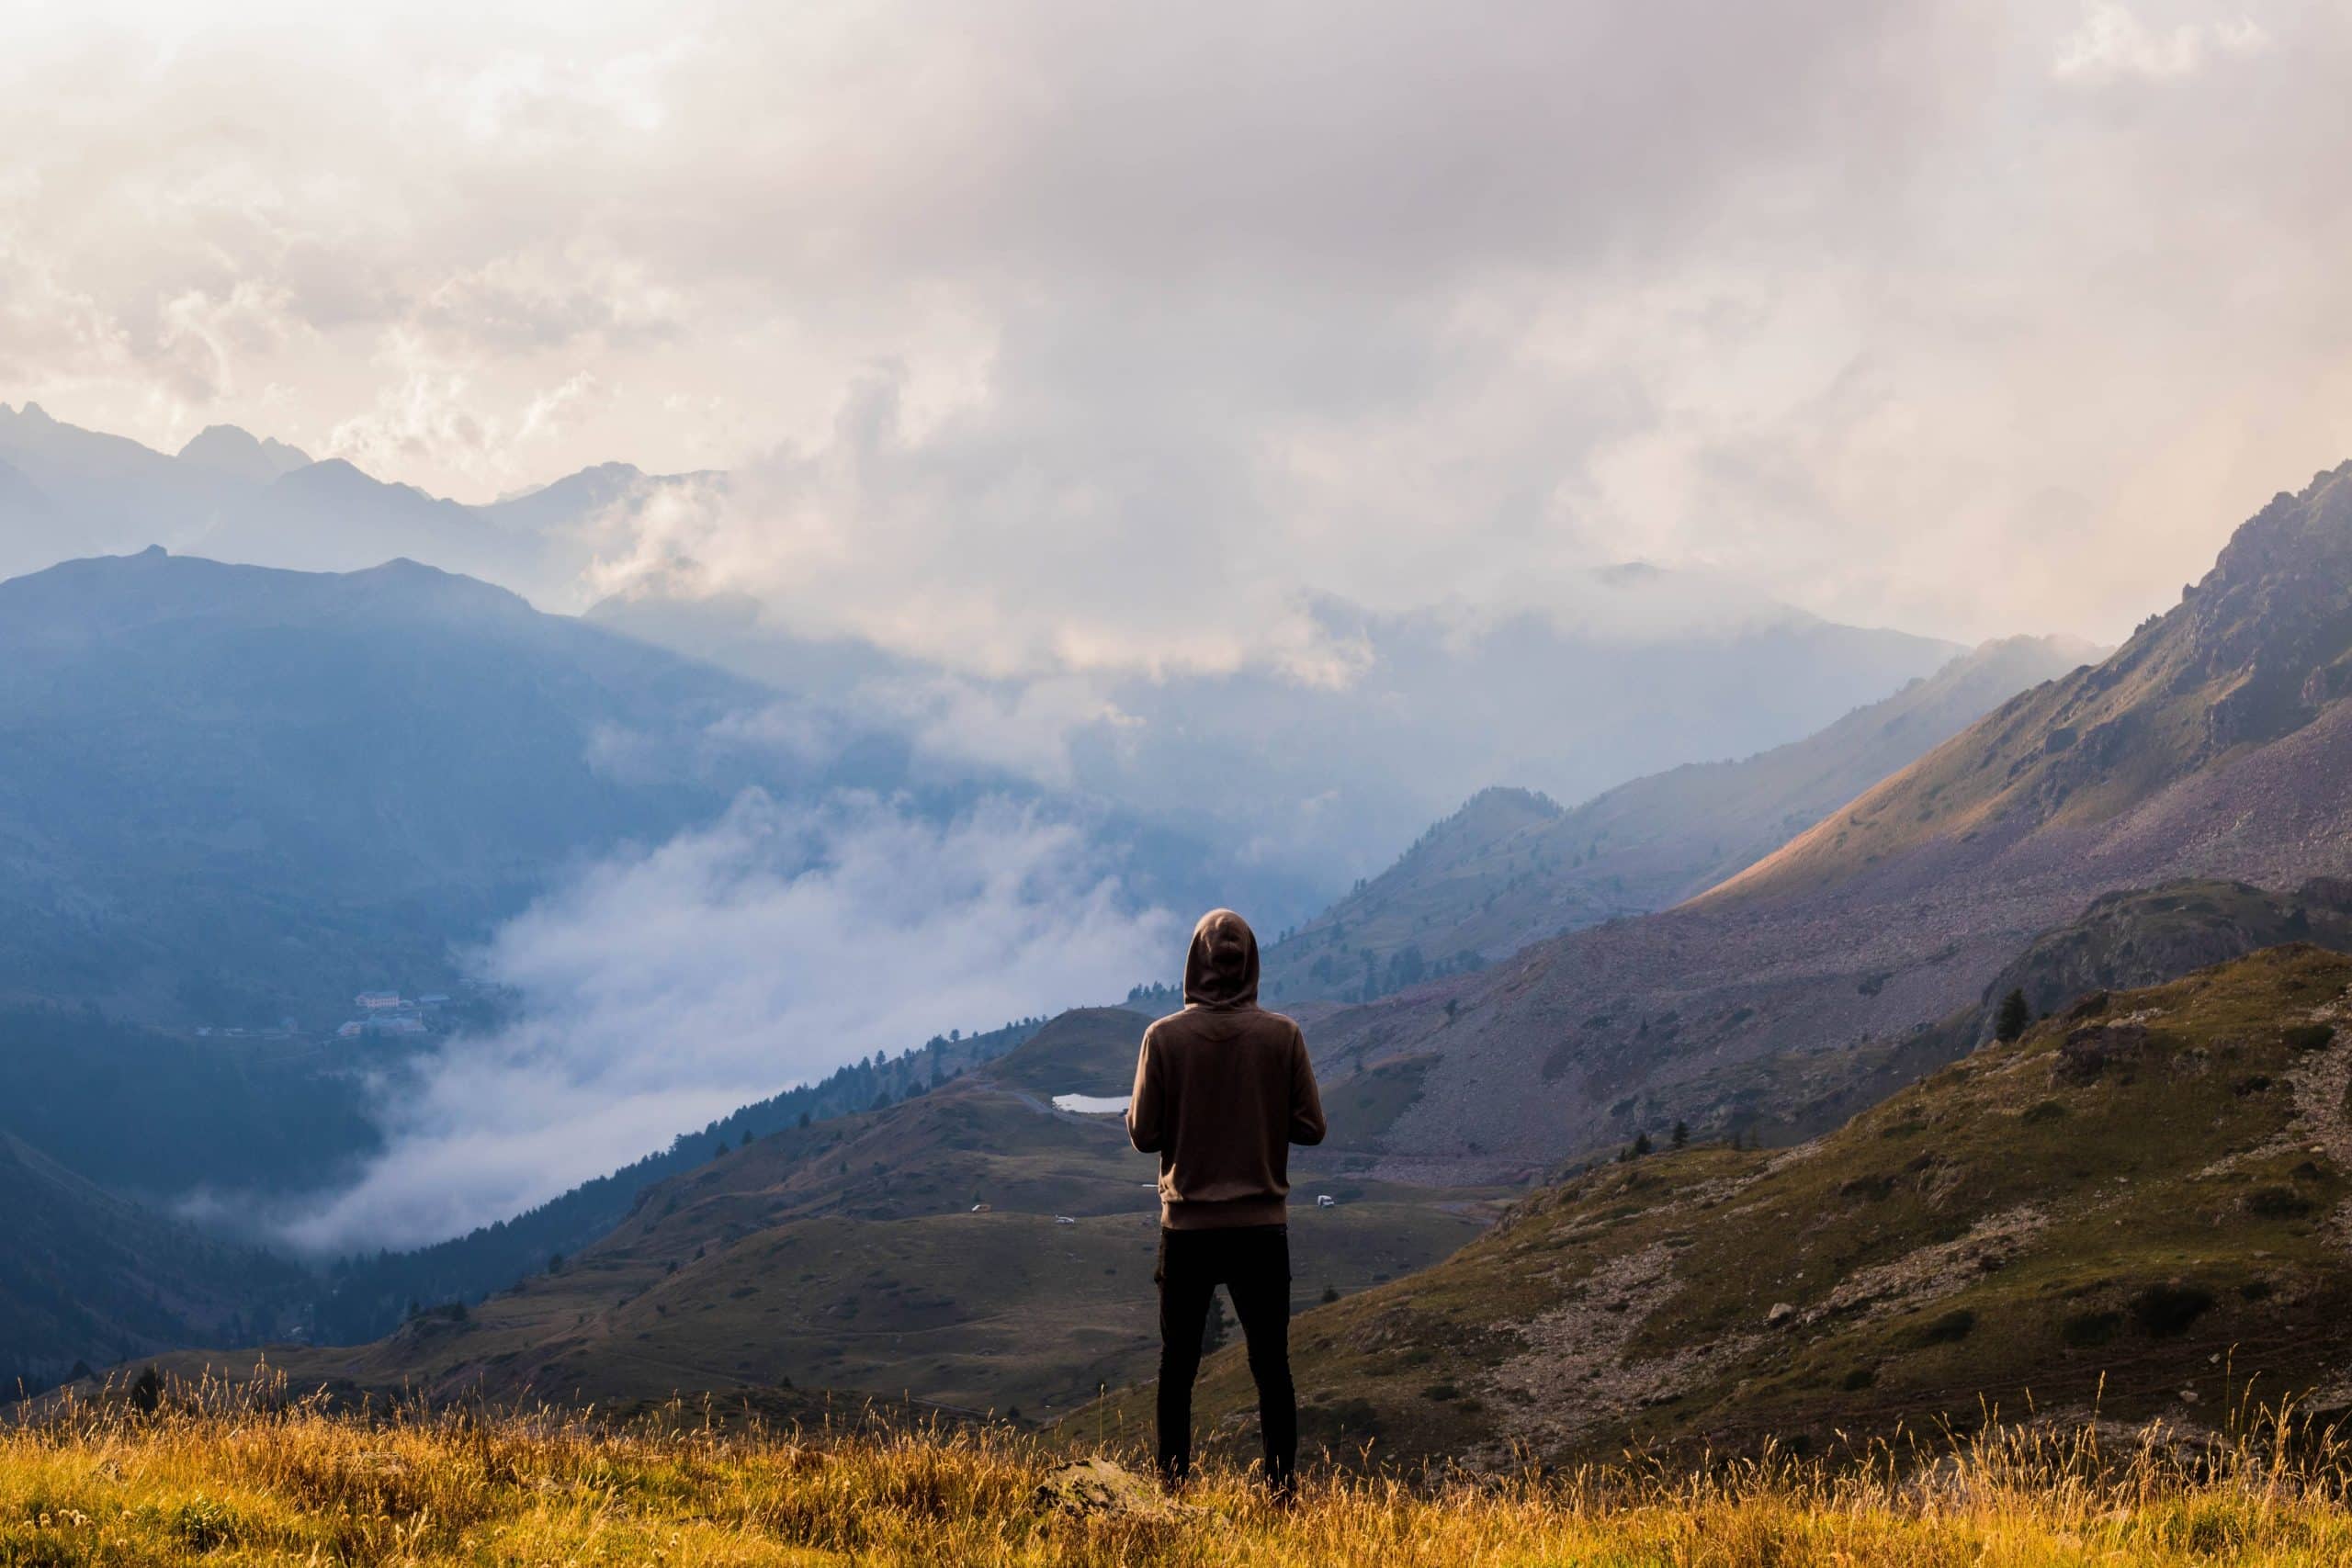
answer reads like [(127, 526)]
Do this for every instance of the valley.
[(1550, 1040), (970, 1245)]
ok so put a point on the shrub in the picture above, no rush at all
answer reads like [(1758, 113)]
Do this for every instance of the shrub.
[(2046, 1111), (1858, 1379), (2089, 1006), (1949, 1328), (2277, 1203), (2308, 1036), (2085, 1330), (2168, 1309)]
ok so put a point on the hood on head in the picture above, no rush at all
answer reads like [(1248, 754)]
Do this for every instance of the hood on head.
[(1221, 970)]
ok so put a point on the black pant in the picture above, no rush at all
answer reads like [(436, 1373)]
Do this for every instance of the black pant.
[(1252, 1262)]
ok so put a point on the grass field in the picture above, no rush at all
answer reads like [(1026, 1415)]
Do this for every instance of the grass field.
[(210, 1476)]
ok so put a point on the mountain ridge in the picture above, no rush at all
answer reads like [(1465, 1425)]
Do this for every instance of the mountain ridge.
[(1584, 1039), (1512, 867)]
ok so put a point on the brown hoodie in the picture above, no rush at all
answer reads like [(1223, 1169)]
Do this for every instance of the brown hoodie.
[(1223, 1090)]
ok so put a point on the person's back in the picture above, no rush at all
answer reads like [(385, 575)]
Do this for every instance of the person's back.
[(1222, 1089)]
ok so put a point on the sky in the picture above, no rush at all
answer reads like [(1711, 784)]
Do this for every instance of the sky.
[(1078, 334)]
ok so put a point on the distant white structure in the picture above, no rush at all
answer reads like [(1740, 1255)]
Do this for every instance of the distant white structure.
[(350, 1031), (1325, 1200), (979, 1208), (373, 1001), (1092, 1104), (1064, 1220)]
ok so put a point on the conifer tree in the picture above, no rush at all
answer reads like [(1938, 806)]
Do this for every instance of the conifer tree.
[(2011, 1020)]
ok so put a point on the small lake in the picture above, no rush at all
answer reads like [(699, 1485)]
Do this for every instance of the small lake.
[(1092, 1104)]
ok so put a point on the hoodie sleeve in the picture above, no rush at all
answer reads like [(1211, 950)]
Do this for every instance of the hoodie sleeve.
[(1146, 1105), (1305, 1104)]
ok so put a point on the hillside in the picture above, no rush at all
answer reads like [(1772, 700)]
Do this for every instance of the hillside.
[(87, 1276), (2140, 1209), (1580, 1041), (847, 1255), (2249, 669), (235, 794), (1511, 867), (368, 1297)]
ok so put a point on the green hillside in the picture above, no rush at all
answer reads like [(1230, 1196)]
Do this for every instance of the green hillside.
[(2138, 1209), (853, 1254), (86, 1276)]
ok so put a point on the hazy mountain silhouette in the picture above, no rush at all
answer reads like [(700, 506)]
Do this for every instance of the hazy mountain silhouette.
[(1318, 783), (237, 452), (1511, 866), (240, 790), (1328, 779)]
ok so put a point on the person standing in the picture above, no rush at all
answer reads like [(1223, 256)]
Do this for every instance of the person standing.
[(1222, 1089)]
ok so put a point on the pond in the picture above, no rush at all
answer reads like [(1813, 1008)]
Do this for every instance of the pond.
[(1092, 1104)]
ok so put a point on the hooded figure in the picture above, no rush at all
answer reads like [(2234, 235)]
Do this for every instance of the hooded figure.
[(1222, 1090)]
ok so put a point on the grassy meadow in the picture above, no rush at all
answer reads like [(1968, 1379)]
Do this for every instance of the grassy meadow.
[(211, 1475)]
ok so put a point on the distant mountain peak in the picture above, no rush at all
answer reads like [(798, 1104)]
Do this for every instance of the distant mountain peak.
[(340, 476), (229, 449)]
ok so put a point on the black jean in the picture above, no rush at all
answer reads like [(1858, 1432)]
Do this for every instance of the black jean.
[(1252, 1262)]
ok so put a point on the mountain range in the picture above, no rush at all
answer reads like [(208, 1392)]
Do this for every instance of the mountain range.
[(1511, 866), (2096, 825), (1317, 780), (2212, 744)]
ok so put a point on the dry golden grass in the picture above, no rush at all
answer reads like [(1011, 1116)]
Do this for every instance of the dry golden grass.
[(217, 1475)]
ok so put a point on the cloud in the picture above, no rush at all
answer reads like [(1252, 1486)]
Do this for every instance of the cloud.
[(1020, 729), (663, 988), (1069, 336), (2114, 43)]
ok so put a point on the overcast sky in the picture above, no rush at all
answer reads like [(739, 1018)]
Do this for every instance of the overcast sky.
[(1964, 317)]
